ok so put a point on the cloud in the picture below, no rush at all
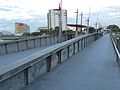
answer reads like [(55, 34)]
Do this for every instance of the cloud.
[(106, 16), (3, 9), (4, 29), (34, 12)]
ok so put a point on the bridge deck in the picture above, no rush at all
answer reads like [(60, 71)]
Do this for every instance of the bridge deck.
[(94, 68)]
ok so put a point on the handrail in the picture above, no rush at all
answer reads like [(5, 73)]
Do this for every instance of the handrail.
[(115, 48)]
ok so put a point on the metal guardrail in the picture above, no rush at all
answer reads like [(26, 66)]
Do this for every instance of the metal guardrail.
[(115, 43)]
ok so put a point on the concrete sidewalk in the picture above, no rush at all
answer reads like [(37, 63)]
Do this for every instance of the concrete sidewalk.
[(93, 68)]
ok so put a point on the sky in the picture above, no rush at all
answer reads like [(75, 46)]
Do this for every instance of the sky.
[(34, 12)]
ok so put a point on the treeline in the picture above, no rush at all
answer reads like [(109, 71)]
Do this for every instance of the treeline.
[(49, 32), (113, 28), (56, 32)]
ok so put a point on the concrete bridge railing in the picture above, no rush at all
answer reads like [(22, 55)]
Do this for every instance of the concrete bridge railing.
[(25, 44), (19, 74)]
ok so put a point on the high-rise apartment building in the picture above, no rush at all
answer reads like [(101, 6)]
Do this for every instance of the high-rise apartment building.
[(53, 17), (21, 28)]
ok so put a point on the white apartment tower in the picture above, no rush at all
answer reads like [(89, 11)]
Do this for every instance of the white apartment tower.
[(54, 18)]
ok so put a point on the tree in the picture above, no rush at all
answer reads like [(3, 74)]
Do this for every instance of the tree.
[(56, 31), (35, 33), (92, 29), (99, 29), (26, 34), (113, 28)]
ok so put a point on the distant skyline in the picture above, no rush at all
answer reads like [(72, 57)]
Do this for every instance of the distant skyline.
[(34, 12)]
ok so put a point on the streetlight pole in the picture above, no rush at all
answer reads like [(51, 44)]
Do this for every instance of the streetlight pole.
[(96, 26), (60, 23), (88, 21), (88, 25), (81, 20), (97, 23), (76, 33)]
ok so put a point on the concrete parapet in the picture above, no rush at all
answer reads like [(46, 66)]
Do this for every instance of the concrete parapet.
[(25, 44)]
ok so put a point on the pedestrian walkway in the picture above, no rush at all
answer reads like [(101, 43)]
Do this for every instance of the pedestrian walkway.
[(13, 57), (93, 68)]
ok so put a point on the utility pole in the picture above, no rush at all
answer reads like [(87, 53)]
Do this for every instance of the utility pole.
[(76, 33), (97, 23), (60, 23), (81, 20), (88, 26), (88, 21), (96, 26)]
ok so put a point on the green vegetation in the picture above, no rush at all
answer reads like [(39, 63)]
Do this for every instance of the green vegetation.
[(68, 32), (92, 30), (113, 28), (117, 35), (49, 32), (26, 34)]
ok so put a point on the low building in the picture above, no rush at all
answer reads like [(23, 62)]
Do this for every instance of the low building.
[(73, 27), (21, 28)]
